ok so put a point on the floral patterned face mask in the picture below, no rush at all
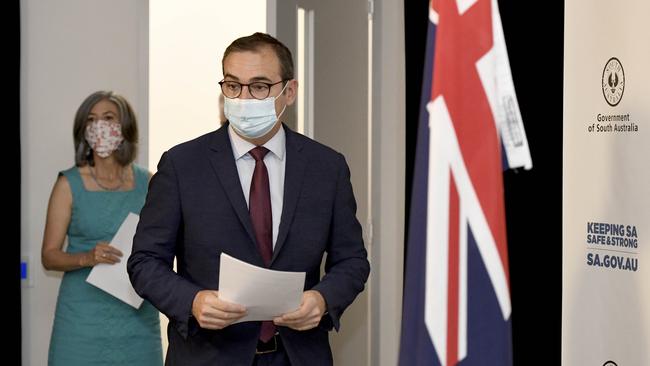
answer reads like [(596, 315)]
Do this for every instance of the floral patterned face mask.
[(104, 137)]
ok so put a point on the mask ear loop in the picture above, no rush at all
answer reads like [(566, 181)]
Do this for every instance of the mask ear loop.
[(285, 105), (282, 91), (282, 111)]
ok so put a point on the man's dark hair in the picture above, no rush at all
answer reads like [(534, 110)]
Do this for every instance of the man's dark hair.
[(257, 41)]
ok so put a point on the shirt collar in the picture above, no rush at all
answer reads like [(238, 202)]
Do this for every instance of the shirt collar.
[(241, 147)]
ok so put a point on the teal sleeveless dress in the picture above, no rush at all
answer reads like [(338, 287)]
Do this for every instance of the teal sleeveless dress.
[(92, 327)]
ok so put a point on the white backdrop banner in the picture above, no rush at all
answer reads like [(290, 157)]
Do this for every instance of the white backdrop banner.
[(606, 183)]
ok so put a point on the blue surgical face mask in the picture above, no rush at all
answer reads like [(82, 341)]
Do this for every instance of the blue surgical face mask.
[(252, 118)]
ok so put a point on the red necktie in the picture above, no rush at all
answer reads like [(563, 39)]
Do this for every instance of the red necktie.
[(259, 207)]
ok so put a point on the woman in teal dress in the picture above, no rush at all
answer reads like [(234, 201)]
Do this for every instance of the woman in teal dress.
[(88, 204)]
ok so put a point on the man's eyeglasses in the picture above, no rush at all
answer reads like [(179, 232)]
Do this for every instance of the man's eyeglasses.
[(258, 90)]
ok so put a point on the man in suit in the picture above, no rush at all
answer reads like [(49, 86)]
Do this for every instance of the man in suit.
[(261, 193)]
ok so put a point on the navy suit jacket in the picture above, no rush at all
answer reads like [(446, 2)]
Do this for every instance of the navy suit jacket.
[(195, 210)]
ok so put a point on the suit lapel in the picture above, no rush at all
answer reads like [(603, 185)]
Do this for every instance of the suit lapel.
[(293, 178), (222, 161)]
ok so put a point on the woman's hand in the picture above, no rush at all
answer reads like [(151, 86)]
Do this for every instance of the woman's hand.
[(103, 252)]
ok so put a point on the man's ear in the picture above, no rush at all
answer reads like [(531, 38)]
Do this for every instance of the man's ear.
[(291, 91)]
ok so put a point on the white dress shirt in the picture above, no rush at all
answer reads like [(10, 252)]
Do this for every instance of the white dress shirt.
[(275, 161)]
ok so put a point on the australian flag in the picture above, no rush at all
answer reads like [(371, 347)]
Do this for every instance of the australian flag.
[(457, 297)]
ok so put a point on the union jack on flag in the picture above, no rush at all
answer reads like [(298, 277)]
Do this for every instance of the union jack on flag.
[(457, 297)]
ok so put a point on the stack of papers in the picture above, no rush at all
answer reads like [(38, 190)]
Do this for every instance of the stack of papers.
[(265, 293), (113, 278)]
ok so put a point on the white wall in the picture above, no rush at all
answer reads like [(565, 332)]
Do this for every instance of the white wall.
[(187, 40), (69, 49)]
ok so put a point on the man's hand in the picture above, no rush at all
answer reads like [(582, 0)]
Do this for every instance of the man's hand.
[(308, 315), (213, 313)]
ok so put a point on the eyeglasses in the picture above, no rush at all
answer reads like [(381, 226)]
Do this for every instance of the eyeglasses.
[(258, 89)]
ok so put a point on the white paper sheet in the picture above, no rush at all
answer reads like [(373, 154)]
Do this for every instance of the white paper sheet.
[(265, 293), (113, 278)]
